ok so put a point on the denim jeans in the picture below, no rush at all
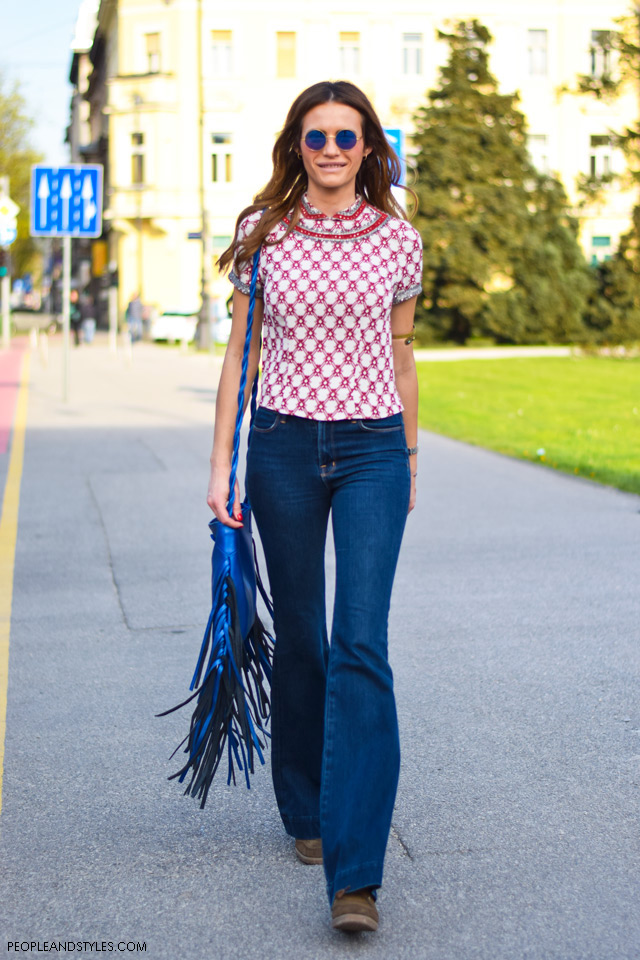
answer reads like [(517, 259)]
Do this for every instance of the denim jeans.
[(335, 748)]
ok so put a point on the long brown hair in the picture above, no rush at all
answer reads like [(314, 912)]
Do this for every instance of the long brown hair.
[(288, 182)]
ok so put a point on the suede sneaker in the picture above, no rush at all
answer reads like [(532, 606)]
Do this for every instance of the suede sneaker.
[(354, 912), (309, 851)]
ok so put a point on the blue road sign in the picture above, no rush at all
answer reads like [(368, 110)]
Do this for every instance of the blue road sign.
[(66, 201), (396, 139)]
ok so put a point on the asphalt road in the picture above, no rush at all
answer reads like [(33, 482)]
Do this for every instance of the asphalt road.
[(514, 641)]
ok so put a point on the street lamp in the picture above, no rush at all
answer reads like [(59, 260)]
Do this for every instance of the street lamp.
[(204, 328)]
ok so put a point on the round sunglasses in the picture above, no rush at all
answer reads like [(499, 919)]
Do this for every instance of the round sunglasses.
[(345, 139)]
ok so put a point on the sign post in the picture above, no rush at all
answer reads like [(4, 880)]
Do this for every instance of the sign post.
[(66, 314), (8, 233), (6, 318), (66, 202)]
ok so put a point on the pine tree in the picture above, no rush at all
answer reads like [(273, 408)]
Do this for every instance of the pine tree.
[(552, 282), (613, 313), (501, 256)]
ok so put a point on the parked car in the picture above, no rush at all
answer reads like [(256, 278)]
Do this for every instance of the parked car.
[(25, 318), (174, 326)]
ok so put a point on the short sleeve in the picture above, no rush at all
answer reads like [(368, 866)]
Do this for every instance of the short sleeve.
[(410, 282), (240, 275)]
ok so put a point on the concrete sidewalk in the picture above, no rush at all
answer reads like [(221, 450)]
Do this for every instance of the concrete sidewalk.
[(514, 643)]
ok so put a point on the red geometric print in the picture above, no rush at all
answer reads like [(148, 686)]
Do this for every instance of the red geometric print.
[(328, 289)]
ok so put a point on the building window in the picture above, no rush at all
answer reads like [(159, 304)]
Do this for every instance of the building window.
[(538, 40), (602, 253), (538, 151), (221, 157), (412, 54), (600, 52), (222, 53), (137, 158), (601, 159), (349, 52), (152, 42), (285, 54)]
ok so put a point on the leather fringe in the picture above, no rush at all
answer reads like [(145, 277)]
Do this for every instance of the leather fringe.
[(233, 701)]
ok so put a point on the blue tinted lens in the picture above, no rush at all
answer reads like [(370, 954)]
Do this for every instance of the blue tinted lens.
[(315, 140), (346, 139)]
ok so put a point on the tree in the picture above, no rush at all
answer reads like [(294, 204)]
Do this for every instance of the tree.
[(551, 280), (613, 313), (16, 157), (501, 253)]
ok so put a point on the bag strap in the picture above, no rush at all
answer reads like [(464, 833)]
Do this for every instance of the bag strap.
[(243, 380)]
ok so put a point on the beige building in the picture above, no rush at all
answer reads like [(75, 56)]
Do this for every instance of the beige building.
[(186, 96)]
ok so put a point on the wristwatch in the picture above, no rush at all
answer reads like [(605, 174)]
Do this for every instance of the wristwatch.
[(412, 450)]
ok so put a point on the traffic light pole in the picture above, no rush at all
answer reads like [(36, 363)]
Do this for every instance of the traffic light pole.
[(204, 328), (6, 337), (5, 284)]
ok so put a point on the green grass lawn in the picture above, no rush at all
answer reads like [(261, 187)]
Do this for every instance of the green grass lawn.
[(577, 414)]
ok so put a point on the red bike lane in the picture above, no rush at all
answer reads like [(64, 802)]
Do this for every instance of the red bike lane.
[(10, 369)]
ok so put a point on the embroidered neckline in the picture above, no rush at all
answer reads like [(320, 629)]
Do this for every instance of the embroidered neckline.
[(357, 221), (309, 212), (353, 235)]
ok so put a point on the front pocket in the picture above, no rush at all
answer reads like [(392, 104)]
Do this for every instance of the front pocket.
[(383, 425), (265, 420)]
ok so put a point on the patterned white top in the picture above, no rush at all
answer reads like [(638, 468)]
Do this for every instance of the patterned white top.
[(328, 289)]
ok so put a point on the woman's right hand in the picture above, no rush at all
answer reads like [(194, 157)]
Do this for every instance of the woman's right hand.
[(227, 409), (218, 496)]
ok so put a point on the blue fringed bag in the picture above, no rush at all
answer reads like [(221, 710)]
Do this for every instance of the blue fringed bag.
[(232, 707)]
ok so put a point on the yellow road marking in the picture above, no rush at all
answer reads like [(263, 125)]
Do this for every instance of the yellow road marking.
[(8, 537)]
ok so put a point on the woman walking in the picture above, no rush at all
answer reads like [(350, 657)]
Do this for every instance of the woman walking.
[(334, 436)]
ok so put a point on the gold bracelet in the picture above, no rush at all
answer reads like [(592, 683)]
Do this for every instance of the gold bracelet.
[(407, 337)]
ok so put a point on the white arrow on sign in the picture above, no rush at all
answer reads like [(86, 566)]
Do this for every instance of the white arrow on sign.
[(89, 209), (43, 197), (65, 196), (89, 212)]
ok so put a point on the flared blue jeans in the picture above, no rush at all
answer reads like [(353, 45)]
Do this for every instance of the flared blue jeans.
[(335, 748)]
